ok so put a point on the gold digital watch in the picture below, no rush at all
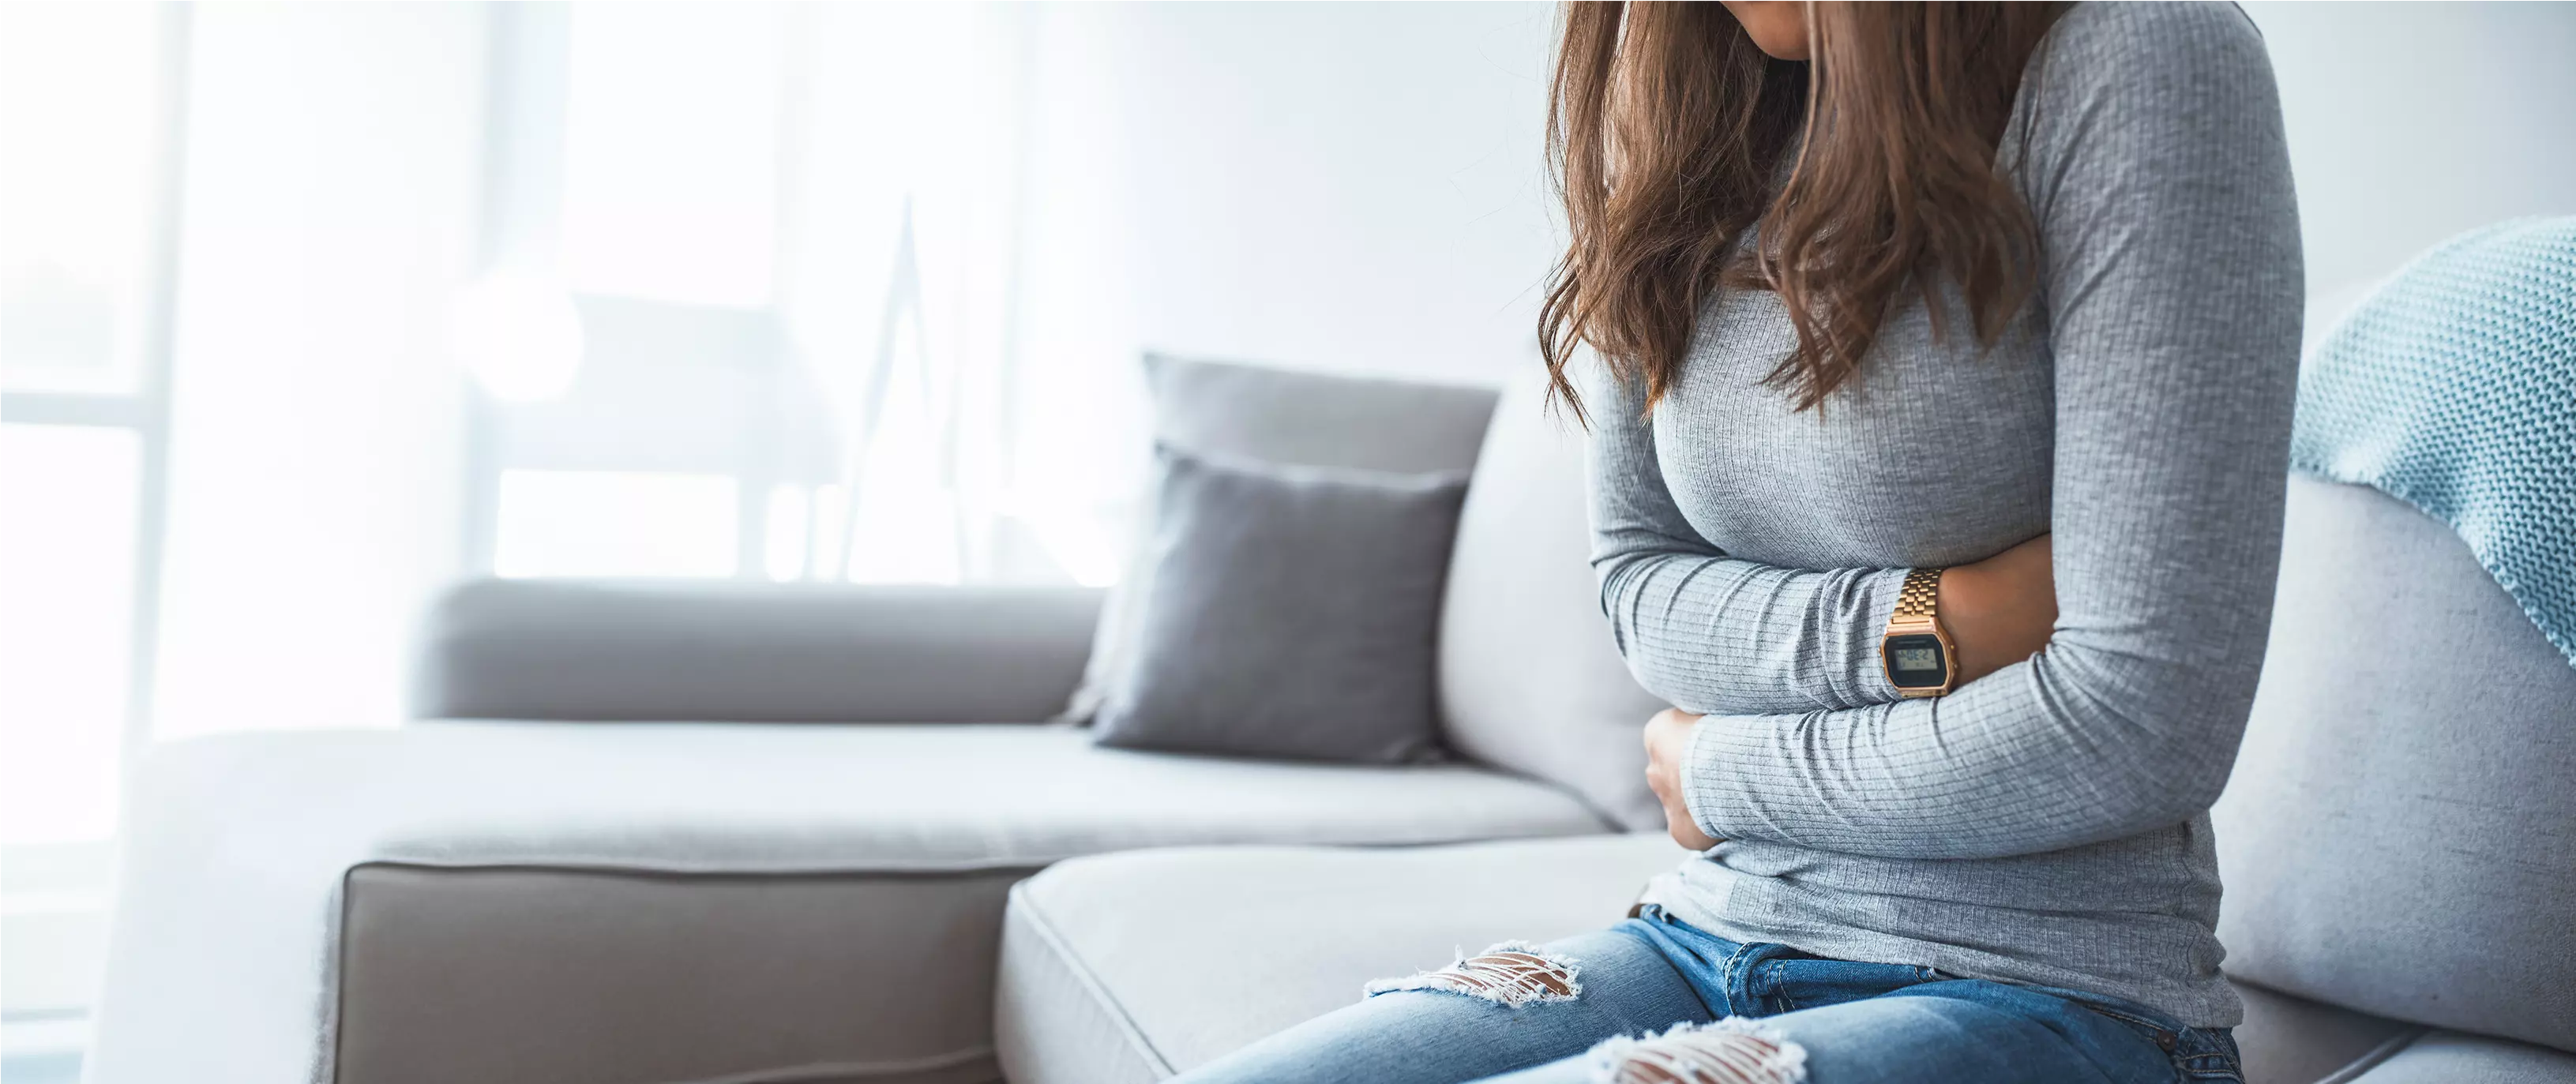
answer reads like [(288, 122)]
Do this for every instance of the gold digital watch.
[(1917, 652)]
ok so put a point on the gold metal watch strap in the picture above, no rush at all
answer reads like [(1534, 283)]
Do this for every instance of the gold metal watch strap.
[(1920, 594)]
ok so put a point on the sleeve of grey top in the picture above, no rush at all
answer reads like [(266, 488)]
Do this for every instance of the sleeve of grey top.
[(2171, 280), (1704, 631)]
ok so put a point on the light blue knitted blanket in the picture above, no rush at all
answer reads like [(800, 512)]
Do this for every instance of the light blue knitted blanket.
[(2453, 388)]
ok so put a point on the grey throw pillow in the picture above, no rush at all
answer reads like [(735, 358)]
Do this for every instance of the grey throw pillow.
[(1270, 415), (1293, 612)]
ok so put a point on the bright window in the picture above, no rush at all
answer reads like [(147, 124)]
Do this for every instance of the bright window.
[(615, 523), (78, 101), (84, 291), (734, 198), (66, 609)]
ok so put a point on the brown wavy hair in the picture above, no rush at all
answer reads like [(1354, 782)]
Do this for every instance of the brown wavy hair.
[(1668, 130)]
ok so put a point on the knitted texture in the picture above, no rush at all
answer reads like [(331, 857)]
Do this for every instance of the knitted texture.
[(2453, 388), (2045, 824)]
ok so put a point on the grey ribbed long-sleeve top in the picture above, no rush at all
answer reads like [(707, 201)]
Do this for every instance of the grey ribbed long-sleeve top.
[(2048, 823)]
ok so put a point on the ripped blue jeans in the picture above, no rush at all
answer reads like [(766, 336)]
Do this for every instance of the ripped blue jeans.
[(1655, 1001)]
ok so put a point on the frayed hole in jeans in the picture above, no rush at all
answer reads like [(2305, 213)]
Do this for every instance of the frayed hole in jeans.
[(1513, 973)]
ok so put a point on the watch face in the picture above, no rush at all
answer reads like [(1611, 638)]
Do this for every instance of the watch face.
[(1916, 661)]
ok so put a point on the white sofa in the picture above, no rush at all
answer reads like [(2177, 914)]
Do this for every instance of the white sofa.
[(740, 834), (2399, 847)]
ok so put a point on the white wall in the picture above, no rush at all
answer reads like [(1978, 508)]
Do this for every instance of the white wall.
[(2413, 122), (1354, 186), (1358, 186)]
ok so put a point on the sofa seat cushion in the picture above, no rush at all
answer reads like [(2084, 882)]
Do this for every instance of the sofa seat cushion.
[(581, 900), (1106, 970), (1106, 962), (2295, 1040), (2449, 1057)]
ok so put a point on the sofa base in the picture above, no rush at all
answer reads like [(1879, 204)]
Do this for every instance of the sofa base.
[(761, 978)]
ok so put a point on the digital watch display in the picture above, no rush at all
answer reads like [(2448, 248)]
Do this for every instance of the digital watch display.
[(1917, 651)]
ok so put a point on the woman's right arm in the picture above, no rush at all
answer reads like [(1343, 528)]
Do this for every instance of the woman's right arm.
[(1712, 634)]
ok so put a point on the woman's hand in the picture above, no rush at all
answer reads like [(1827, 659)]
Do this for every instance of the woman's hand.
[(2000, 610), (1667, 739)]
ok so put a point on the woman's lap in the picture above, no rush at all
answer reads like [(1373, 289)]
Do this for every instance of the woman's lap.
[(1441, 1037), (1935, 1036), (1886, 1025)]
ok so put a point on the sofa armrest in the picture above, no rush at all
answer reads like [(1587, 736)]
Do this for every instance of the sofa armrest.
[(643, 650)]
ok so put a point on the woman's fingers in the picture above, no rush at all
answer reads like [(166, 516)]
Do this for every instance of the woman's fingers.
[(1667, 735)]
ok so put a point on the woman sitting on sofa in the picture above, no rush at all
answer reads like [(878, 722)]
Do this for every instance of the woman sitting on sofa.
[(1940, 422)]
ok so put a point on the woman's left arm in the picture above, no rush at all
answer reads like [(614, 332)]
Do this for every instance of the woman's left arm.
[(2172, 284)]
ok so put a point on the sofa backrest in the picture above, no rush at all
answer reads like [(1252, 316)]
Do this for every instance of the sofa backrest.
[(2399, 836), (1530, 680)]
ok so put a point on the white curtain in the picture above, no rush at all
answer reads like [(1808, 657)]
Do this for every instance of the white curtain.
[(330, 190)]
